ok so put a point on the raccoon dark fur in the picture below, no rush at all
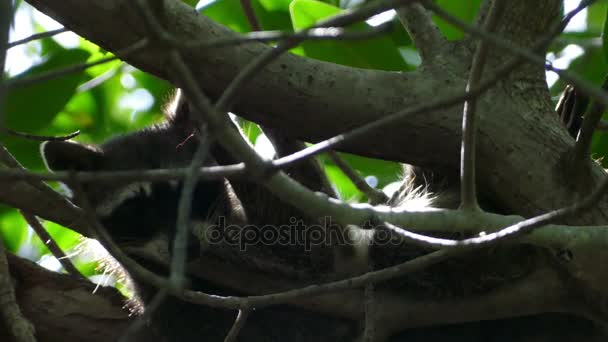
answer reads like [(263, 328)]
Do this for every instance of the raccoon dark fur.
[(136, 214)]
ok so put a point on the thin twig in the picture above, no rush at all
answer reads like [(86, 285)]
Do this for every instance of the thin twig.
[(52, 245), (468, 188), (591, 120), (36, 36), (424, 33), (40, 137), (178, 259), (158, 175), (239, 322), (317, 34), (250, 15), (327, 32), (15, 83), (510, 232), (94, 82), (375, 196)]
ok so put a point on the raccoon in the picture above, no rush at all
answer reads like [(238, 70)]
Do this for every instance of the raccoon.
[(141, 218), (142, 215)]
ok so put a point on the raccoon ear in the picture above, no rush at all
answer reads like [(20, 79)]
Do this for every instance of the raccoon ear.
[(64, 155), (178, 110)]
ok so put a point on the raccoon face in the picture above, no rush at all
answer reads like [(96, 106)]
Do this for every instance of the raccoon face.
[(137, 211)]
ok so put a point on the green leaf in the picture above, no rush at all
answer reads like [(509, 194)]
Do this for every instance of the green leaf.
[(464, 10), (228, 13), (33, 107), (275, 5), (64, 237), (13, 229), (377, 53), (191, 3), (386, 171), (87, 268), (343, 185), (251, 130), (596, 16), (25, 150), (591, 65), (48, 46), (161, 90), (399, 35), (599, 148), (271, 14), (306, 13)]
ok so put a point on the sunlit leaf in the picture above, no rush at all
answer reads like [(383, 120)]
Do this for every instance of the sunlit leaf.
[(13, 229), (33, 107), (228, 13), (464, 10), (343, 185), (276, 5), (596, 16), (385, 171), (377, 53), (250, 129), (270, 15)]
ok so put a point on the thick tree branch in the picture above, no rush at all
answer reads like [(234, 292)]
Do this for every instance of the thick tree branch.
[(425, 34), (64, 308), (20, 329), (307, 101)]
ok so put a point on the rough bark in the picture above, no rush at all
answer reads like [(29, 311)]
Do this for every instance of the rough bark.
[(66, 309)]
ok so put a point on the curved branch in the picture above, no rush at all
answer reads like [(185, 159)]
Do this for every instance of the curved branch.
[(425, 34)]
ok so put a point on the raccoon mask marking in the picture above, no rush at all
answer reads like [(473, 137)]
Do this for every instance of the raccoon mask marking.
[(137, 210)]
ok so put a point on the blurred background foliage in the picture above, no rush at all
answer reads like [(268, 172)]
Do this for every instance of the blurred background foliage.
[(115, 98)]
